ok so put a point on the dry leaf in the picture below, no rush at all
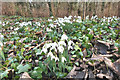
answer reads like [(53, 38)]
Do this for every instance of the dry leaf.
[(25, 76), (115, 67), (39, 33), (104, 76), (102, 46)]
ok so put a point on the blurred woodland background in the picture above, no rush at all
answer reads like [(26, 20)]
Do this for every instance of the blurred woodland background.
[(61, 9)]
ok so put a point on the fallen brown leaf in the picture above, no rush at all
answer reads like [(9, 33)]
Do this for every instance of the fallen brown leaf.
[(39, 33), (115, 67), (104, 76), (25, 76)]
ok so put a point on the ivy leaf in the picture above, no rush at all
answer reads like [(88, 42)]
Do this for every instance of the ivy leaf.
[(37, 72), (73, 52), (77, 63), (4, 74), (24, 68), (60, 74)]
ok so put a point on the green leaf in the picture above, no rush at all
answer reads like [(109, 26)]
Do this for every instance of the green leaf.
[(26, 46), (73, 52), (37, 72), (4, 74), (2, 54), (77, 63), (69, 68), (60, 74), (22, 68), (77, 47), (80, 53)]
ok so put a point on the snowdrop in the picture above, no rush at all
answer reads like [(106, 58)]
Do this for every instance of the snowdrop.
[(0, 22), (56, 59), (11, 28), (50, 54), (87, 17), (30, 1), (61, 20), (61, 43), (3, 24), (79, 17), (75, 16), (38, 23), (50, 20), (61, 49), (16, 29), (1, 37), (47, 45), (64, 37), (70, 45), (1, 44), (54, 45), (68, 21), (74, 20), (44, 50), (79, 20), (52, 16), (63, 59), (30, 23), (17, 23), (48, 30), (24, 24), (14, 32), (52, 25)]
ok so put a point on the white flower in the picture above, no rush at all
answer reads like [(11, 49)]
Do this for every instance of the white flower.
[(30, 1), (87, 17), (47, 45), (79, 17), (3, 24), (38, 23), (50, 20), (16, 29), (14, 32), (11, 28), (79, 20), (44, 50), (74, 20), (70, 17), (70, 42), (61, 49), (50, 54), (1, 44), (17, 23), (61, 43), (63, 59), (48, 29), (1, 37), (38, 53), (30, 23), (56, 59), (0, 22), (52, 16), (75, 16), (52, 25), (70, 45), (64, 37), (54, 45)]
